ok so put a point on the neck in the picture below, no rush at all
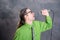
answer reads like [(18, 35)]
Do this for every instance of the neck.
[(29, 22)]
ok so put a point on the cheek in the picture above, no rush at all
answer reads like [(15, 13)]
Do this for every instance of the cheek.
[(30, 16)]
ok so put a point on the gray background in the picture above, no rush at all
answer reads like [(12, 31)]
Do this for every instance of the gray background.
[(9, 11)]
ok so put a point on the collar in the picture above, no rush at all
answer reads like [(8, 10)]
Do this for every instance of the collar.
[(28, 25)]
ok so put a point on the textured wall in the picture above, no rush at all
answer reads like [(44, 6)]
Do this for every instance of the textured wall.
[(9, 10)]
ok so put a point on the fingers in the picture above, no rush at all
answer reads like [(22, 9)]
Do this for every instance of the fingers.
[(45, 12)]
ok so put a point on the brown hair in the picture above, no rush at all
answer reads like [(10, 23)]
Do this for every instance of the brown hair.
[(22, 19)]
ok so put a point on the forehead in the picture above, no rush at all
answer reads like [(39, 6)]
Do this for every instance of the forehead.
[(28, 10)]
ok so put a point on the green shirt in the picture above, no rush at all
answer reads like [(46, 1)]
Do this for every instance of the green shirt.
[(24, 32)]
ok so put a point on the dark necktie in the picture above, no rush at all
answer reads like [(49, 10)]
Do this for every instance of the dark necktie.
[(32, 31)]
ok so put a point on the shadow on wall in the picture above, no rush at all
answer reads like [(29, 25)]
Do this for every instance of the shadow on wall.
[(7, 24)]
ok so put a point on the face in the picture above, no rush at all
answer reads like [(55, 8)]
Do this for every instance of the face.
[(30, 15)]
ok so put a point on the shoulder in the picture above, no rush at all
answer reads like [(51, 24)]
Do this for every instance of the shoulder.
[(21, 29), (36, 21)]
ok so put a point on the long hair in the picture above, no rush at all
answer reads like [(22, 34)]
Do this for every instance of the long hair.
[(22, 19)]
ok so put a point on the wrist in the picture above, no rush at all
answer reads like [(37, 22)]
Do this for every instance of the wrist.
[(47, 14)]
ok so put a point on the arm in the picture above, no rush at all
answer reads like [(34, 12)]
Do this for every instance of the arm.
[(17, 35), (47, 24)]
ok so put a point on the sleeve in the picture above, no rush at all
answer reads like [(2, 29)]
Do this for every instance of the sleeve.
[(46, 25)]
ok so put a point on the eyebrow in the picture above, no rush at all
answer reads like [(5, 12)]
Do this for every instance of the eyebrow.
[(29, 12)]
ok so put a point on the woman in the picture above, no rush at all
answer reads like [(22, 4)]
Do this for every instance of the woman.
[(28, 22)]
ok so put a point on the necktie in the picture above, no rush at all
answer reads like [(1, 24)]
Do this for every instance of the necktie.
[(32, 31)]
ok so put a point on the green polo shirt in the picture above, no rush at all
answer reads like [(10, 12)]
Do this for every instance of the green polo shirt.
[(24, 32)]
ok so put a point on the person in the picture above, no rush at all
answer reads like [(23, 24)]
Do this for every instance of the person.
[(27, 21)]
